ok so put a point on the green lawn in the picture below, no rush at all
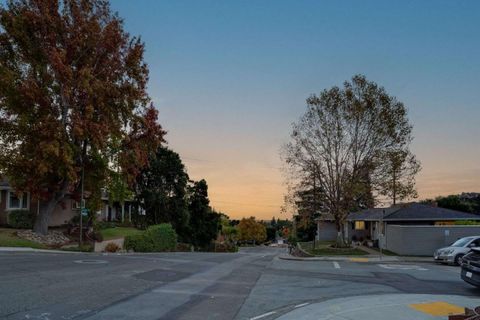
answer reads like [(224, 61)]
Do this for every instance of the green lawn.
[(323, 248), (119, 232), (9, 239)]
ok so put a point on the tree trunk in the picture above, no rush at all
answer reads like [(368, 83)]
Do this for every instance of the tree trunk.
[(43, 217), (394, 188), (46, 208), (340, 239)]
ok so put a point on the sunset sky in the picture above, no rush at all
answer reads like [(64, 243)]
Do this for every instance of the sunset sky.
[(229, 78)]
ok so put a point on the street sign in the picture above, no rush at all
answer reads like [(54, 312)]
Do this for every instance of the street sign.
[(84, 212)]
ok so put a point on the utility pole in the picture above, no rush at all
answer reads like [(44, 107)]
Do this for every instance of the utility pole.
[(82, 206), (380, 240)]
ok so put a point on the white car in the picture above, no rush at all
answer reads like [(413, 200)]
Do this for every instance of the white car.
[(453, 254)]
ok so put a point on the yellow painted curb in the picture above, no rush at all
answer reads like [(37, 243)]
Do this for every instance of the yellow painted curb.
[(358, 259), (438, 308)]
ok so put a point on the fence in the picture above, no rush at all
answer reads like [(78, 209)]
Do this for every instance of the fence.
[(424, 240)]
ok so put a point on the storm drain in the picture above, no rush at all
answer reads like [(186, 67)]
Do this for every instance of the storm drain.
[(91, 261)]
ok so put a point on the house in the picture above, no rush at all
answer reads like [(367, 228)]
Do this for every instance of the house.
[(412, 228), (326, 229), (63, 213)]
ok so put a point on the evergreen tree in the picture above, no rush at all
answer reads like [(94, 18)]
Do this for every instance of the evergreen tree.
[(204, 222)]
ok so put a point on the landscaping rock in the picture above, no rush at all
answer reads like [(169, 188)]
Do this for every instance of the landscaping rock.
[(53, 238)]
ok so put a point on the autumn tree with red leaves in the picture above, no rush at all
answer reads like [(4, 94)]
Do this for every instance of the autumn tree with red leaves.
[(72, 95)]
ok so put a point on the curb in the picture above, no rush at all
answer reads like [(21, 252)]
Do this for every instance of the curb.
[(28, 249), (355, 259)]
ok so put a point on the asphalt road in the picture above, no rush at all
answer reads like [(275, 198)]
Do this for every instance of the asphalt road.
[(251, 284)]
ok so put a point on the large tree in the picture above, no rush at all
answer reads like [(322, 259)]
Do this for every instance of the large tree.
[(72, 96), (340, 141), (251, 230), (162, 190), (204, 221), (396, 179)]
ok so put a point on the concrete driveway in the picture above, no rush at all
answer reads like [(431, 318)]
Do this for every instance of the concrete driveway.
[(251, 284)]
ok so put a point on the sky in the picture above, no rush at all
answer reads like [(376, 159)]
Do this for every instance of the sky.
[(230, 77)]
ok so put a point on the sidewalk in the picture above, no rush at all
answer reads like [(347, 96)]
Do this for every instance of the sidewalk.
[(367, 258), (27, 249), (388, 306)]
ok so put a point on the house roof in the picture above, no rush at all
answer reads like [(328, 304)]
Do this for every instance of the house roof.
[(411, 212), (325, 217)]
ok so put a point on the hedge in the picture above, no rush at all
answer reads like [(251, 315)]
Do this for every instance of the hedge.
[(20, 219), (156, 238)]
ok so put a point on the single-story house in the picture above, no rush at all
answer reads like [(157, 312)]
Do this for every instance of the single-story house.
[(63, 212), (411, 228)]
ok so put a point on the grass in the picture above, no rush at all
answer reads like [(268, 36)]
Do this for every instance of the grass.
[(119, 232), (8, 238), (324, 248)]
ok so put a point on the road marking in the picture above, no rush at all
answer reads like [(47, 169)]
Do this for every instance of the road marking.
[(402, 267), (437, 308), (301, 305), (263, 315), (336, 265), (358, 259)]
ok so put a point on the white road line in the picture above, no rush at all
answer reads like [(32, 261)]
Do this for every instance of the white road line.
[(263, 315), (336, 265), (301, 305)]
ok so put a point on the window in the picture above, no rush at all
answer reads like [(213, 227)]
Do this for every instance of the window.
[(359, 225), (15, 201), (75, 204)]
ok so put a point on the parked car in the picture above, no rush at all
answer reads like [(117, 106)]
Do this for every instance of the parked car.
[(454, 253), (471, 267)]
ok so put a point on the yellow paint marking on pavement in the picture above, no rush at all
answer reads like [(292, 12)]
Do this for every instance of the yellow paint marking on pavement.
[(359, 259), (437, 308)]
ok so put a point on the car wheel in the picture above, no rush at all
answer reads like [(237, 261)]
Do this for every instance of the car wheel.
[(458, 259)]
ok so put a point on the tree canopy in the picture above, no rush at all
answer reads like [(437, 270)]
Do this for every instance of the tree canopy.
[(251, 230), (162, 190), (340, 142), (72, 93), (204, 221)]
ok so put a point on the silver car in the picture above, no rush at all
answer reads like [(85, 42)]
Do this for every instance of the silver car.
[(453, 254)]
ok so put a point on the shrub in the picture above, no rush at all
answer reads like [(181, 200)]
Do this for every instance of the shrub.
[(112, 247), (163, 237), (76, 220), (136, 243), (20, 219), (184, 247), (225, 247), (292, 240), (156, 238)]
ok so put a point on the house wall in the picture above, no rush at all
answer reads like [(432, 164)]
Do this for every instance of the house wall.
[(359, 234), (326, 231), (423, 240), (3, 207), (63, 213)]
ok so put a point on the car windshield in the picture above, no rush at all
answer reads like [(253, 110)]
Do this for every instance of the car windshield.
[(461, 242)]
